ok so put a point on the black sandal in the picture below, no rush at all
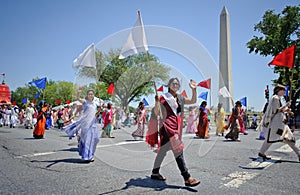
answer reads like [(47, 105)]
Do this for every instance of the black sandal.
[(158, 177)]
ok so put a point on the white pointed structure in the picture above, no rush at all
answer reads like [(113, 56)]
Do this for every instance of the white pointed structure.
[(225, 63)]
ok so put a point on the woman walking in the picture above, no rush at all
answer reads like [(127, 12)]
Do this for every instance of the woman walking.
[(86, 127), (203, 124), (220, 120), (192, 121), (274, 120), (108, 121), (140, 120), (233, 123), (39, 129), (171, 105)]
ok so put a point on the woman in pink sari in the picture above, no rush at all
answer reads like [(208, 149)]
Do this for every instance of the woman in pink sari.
[(171, 106), (192, 121)]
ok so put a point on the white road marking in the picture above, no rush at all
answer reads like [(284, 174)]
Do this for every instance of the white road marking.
[(239, 178), (36, 154)]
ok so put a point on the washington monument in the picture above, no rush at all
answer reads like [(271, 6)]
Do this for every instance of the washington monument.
[(225, 64)]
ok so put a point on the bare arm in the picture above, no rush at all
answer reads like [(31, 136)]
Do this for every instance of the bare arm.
[(81, 100), (193, 100)]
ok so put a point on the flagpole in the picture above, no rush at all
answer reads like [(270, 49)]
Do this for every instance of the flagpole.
[(291, 80)]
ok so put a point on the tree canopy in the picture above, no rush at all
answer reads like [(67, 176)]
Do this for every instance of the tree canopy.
[(131, 76), (280, 31)]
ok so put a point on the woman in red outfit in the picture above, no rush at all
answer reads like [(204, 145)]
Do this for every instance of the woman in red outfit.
[(171, 105), (39, 129), (203, 122)]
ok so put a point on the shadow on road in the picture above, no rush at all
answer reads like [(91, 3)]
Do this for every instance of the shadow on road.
[(67, 160), (149, 183)]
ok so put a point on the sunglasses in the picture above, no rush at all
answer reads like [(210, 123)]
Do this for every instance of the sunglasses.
[(175, 84)]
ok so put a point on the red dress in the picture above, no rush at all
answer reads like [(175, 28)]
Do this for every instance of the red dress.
[(203, 124), (171, 126), (39, 129)]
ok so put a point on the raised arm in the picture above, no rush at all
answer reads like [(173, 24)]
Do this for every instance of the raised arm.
[(81, 100), (193, 100)]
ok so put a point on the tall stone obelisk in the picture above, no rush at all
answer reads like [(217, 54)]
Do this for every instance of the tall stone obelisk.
[(225, 63)]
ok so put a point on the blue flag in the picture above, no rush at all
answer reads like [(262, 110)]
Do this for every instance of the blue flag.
[(203, 95), (145, 102), (40, 83), (244, 101), (287, 88), (24, 100), (37, 95)]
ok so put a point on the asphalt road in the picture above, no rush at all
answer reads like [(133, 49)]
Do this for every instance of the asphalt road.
[(123, 165)]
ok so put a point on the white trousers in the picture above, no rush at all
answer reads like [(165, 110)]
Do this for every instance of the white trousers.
[(267, 145)]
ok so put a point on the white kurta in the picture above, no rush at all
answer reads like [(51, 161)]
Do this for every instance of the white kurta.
[(277, 129)]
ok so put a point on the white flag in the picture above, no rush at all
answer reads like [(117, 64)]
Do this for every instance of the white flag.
[(224, 92), (86, 58), (136, 41)]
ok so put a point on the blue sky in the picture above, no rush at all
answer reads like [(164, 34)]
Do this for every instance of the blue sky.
[(42, 38)]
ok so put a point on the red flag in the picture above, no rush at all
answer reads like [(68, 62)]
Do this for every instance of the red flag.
[(111, 89), (205, 84), (183, 93), (14, 103), (286, 58), (58, 102), (68, 101), (161, 88)]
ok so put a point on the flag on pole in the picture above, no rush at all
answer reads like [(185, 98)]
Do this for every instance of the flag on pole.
[(286, 58), (224, 92), (136, 41), (205, 83), (24, 100), (244, 101), (161, 88), (183, 93), (40, 83), (203, 95), (86, 58), (287, 88), (111, 89), (145, 102)]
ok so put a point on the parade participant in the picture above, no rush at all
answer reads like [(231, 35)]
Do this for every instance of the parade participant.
[(274, 120), (21, 116), (171, 105), (39, 129), (261, 128), (192, 121), (108, 121), (233, 123), (203, 123), (29, 112), (119, 115), (140, 121), (86, 127), (49, 117), (241, 121), (220, 120)]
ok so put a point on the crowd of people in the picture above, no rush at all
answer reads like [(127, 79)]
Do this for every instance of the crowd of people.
[(161, 127)]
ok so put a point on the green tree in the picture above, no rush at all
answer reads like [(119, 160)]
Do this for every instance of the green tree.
[(280, 31), (132, 76)]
